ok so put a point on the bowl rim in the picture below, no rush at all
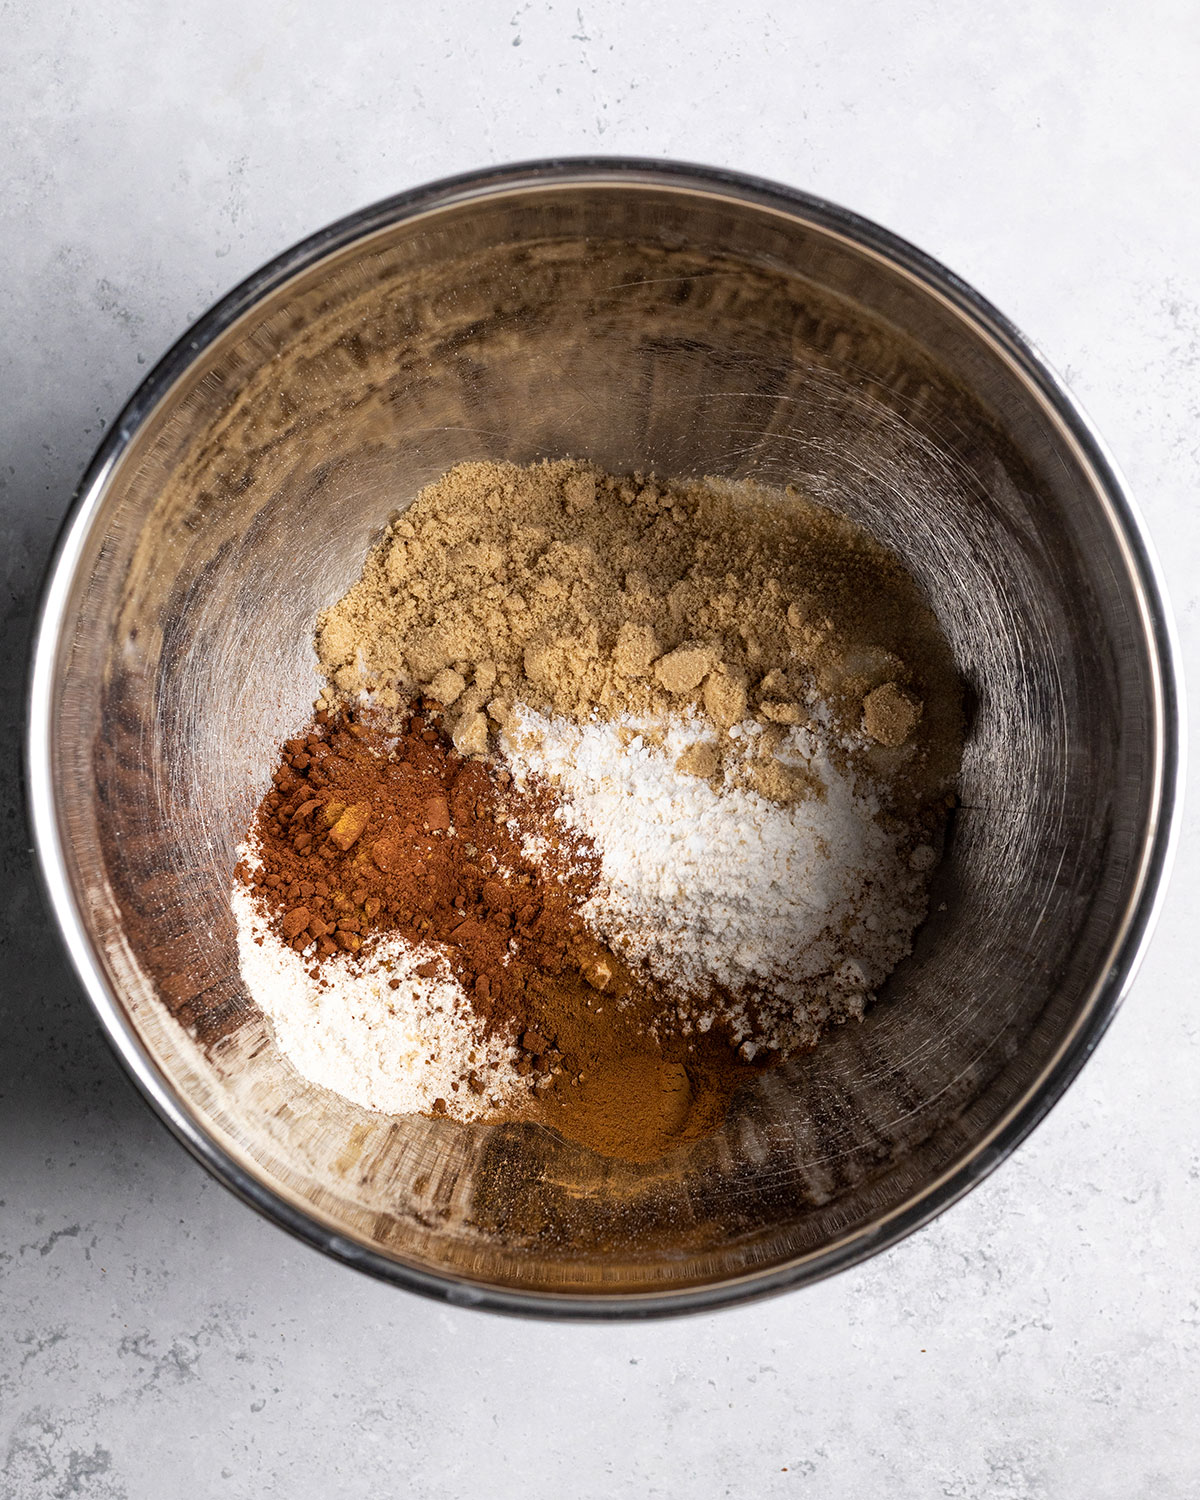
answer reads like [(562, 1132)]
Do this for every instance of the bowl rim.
[(1131, 933)]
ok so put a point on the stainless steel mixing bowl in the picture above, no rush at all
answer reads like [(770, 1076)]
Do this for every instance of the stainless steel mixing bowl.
[(646, 316)]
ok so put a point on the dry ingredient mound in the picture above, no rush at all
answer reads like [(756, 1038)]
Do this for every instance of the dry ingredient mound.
[(618, 791)]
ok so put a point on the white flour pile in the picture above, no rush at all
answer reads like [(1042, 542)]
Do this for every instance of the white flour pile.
[(795, 912), (399, 1050)]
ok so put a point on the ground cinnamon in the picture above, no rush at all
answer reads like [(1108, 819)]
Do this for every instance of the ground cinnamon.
[(372, 830)]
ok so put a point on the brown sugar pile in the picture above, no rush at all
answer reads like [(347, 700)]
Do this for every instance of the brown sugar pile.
[(366, 833), (580, 594)]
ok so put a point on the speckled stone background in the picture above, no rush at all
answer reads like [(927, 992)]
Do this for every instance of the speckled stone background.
[(156, 1339)]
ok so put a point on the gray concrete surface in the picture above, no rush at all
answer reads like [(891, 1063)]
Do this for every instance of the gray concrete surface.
[(156, 1339)]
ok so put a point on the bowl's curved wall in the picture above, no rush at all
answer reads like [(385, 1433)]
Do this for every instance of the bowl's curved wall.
[(653, 320)]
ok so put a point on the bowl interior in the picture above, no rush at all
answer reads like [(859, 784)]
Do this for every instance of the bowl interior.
[(648, 325)]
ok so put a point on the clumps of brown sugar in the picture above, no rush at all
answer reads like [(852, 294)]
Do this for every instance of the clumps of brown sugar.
[(890, 714), (580, 594)]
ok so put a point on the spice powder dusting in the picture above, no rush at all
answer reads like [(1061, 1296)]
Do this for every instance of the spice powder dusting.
[(617, 792)]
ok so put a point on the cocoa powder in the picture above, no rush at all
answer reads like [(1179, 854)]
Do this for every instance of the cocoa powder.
[(370, 831)]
